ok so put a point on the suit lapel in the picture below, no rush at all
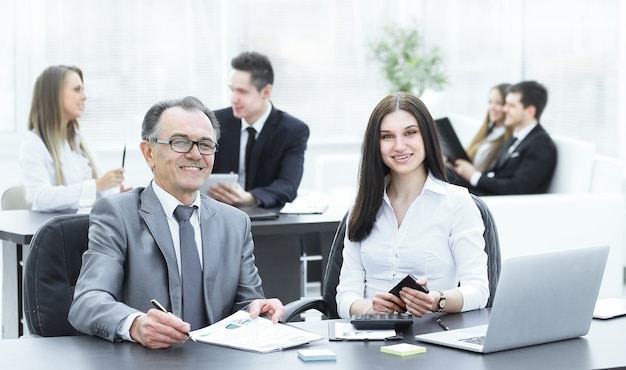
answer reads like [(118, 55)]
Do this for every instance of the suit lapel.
[(156, 221), (211, 239), (269, 128), (503, 155), (524, 143)]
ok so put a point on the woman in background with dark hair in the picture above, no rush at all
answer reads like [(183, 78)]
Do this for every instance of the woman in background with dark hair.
[(58, 170), (407, 219)]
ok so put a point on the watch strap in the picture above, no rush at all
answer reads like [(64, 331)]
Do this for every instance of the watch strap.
[(442, 302)]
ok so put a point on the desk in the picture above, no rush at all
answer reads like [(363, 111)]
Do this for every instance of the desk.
[(598, 349), (277, 252)]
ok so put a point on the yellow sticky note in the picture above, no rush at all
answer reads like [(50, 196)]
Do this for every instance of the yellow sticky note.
[(403, 349)]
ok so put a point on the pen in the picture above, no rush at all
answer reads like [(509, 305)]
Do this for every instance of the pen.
[(124, 156), (443, 326), (160, 307)]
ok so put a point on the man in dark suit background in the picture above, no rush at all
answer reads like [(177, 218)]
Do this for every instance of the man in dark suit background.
[(526, 162), (271, 169)]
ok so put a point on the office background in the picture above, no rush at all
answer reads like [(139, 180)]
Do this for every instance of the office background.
[(135, 52)]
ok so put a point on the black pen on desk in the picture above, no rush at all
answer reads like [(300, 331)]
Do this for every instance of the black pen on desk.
[(443, 326), (124, 156), (160, 307)]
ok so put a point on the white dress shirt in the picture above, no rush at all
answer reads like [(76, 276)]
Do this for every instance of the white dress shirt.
[(440, 238), (486, 147), (258, 126), (37, 169)]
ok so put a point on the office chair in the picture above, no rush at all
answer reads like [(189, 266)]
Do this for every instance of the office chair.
[(328, 304), (50, 273), (15, 198)]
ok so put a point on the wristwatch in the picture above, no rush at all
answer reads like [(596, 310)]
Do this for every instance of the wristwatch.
[(442, 302)]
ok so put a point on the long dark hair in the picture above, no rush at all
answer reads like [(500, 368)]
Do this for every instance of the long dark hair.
[(372, 171)]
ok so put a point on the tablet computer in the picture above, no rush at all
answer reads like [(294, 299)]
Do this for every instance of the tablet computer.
[(215, 178)]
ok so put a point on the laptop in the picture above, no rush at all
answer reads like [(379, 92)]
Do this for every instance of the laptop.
[(450, 144), (541, 298), (260, 214)]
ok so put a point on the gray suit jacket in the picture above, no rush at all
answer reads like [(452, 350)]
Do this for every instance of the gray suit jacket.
[(131, 260)]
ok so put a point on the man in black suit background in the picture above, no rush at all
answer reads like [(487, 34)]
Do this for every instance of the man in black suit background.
[(262, 144), (526, 162)]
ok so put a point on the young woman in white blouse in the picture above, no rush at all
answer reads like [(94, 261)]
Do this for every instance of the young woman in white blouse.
[(58, 170), (408, 220)]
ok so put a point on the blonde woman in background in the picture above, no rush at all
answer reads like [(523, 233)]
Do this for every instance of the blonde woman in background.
[(484, 148), (58, 170)]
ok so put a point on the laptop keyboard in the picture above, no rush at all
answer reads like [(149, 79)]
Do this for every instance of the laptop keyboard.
[(474, 340)]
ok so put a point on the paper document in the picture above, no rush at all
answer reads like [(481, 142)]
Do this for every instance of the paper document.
[(304, 208), (256, 335)]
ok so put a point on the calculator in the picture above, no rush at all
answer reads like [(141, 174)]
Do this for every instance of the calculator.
[(373, 321)]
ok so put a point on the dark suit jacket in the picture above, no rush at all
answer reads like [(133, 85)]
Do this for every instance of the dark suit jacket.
[(277, 158), (527, 170), (131, 260)]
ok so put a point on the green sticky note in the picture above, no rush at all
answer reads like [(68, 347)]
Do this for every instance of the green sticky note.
[(403, 349)]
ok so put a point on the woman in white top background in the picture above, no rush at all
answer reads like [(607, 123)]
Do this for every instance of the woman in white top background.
[(58, 170), (407, 219), (484, 147)]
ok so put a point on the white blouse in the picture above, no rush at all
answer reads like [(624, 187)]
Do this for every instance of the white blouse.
[(440, 238), (42, 191), (487, 147)]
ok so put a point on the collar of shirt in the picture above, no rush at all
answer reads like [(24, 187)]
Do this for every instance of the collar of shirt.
[(259, 123), (78, 150), (431, 184), (521, 134), (169, 202), (243, 139)]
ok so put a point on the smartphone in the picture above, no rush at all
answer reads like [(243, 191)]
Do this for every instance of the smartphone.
[(408, 281)]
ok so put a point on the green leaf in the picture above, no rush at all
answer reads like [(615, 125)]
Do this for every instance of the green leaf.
[(406, 62)]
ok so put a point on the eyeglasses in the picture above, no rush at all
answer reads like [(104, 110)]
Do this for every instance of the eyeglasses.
[(205, 147)]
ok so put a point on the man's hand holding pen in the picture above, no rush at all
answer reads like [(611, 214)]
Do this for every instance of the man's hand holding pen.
[(158, 329)]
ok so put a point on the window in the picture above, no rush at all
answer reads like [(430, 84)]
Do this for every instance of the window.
[(7, 66), (136, 52)]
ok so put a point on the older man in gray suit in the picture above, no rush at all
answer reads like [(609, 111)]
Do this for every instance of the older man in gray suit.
[(136, 246)]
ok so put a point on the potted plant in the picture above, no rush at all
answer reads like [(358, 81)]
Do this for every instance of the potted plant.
[(407, 63)]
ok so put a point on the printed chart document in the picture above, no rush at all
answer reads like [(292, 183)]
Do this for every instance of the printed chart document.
[(256, 335)]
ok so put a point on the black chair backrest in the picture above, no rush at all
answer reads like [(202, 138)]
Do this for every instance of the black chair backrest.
[(333, 268), (335, 259), (492, 247), (50, 273)]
